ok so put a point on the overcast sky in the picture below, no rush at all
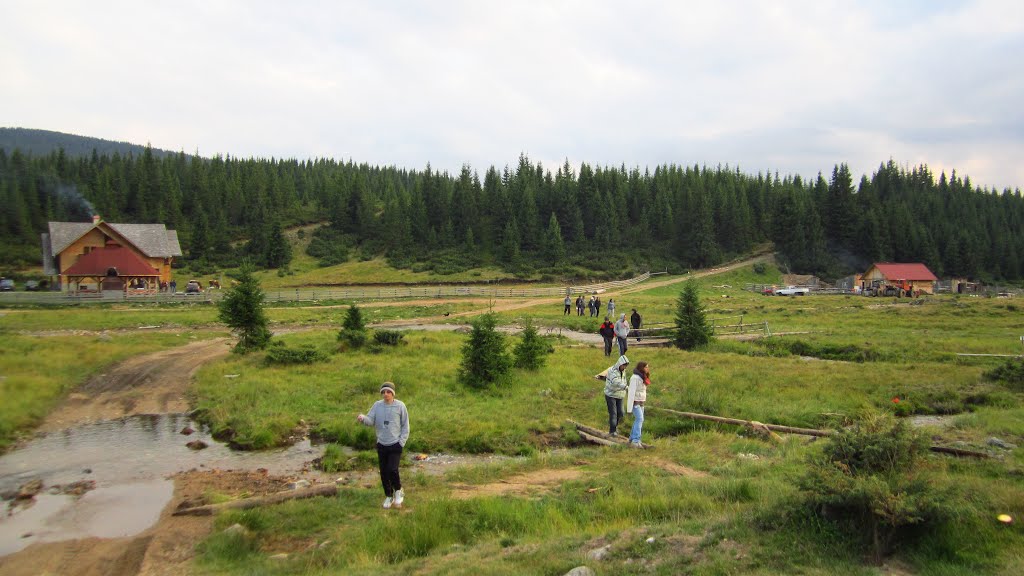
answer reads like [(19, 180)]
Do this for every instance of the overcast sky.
[(793, 87)]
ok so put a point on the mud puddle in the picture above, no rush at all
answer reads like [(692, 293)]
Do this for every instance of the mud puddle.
[(129, 460)]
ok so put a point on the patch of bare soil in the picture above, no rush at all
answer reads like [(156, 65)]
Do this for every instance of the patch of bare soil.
[(166, 549), (679, 469), (148, 384), (528, 484)]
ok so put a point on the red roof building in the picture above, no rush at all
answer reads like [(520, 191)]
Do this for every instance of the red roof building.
[(915, 275), (112, 263)]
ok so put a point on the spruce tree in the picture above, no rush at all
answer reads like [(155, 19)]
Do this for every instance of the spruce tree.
[(242, 310), (277, 251), (484, 358), (554, 247), (353, 329), (531, 351), (692, 328)]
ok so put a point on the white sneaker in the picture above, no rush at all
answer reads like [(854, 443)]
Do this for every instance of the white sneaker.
[(387, 502), (399, 498)]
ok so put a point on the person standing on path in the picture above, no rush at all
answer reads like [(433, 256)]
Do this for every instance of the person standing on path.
[(636, 321), (640, 380), (579, 305), (390, 420), (568, 305), (611, 308), (590, 307), (607, 331), (597, 306), (615, 384), (621, 332)]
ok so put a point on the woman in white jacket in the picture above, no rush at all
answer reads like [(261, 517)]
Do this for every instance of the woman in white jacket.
[(639, 381)]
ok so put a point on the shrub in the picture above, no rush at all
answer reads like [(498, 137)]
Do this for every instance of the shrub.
[(532, 350), (282, 355), (1010, 374), (388, 337), (760, 268), (871, 477)]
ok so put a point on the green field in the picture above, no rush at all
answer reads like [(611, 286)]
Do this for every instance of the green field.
[(707, 499)]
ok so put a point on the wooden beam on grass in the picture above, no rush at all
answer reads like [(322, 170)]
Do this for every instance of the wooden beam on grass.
[(803, 431)]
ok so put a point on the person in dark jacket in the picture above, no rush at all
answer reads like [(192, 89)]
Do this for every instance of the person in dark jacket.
[(636, 321), (607, 331)]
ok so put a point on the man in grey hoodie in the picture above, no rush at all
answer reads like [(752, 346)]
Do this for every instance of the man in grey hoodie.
[(621, 331), (615, 384), (390, 420)]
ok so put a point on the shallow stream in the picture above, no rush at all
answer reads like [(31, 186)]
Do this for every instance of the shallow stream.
[(130, 460)]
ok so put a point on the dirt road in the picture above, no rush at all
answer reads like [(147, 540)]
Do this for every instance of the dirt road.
[(149, 384)]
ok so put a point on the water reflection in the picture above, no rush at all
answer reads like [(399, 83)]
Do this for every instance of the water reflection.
[(129, 459), (141, 447)]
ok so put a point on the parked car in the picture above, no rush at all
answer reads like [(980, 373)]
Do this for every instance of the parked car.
[(793, 291), (32, 285), (193, 287), (768, 290), (6, 284)]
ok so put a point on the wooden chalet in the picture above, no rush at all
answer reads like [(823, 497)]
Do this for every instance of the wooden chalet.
[(98, 255), (916, 275)]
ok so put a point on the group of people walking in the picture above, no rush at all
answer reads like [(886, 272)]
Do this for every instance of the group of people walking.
[(618, 331), (593, 306)]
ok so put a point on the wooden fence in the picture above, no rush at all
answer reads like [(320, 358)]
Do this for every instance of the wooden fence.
[(354, 293), (733, 325)]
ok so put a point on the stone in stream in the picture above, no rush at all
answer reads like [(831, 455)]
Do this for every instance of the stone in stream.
[(196, 444)]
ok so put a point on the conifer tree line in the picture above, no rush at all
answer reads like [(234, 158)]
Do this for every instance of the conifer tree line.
[(522, 217)]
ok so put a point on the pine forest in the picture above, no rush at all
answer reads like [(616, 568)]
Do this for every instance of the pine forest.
[(523, 217)]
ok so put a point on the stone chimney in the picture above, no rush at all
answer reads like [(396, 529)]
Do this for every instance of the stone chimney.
[(95, 219)]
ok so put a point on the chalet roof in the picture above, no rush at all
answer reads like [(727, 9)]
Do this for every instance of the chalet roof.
[(153, 240), (98, 261), (912, 272)]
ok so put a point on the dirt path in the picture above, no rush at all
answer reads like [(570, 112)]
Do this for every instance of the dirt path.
[(148, 384)]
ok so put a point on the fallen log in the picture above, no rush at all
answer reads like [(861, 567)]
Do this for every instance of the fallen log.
[(595, 440), (246, 503), (595, 436), (803, 431), (748, 423), (599, 434)]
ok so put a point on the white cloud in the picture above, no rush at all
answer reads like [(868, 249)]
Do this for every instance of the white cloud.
[(794, 87)]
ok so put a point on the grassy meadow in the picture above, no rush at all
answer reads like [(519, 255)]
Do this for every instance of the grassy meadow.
[(706, 499)]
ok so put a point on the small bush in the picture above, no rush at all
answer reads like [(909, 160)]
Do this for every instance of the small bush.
[(871, 477), (1010, 374), (760, 268), (846, 353), (388, 337), (282, 355)]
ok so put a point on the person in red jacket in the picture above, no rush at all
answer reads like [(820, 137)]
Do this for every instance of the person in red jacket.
[(607, 331)]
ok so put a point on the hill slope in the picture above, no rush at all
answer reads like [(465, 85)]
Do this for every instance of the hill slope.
[(43, 142)]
